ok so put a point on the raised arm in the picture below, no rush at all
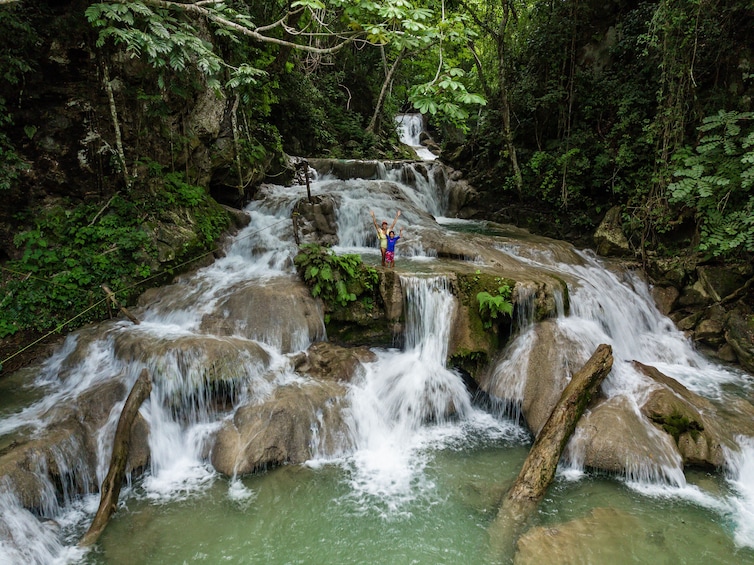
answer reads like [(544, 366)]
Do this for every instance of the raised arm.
[(374, 220), (395, 220)]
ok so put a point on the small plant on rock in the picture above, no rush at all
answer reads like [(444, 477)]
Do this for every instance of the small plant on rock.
[(337, 279), (491, 307)]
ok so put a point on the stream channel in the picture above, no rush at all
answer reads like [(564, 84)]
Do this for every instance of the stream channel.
[(407, 484)]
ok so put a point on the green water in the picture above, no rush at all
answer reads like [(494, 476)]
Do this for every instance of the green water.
[(314, 516)]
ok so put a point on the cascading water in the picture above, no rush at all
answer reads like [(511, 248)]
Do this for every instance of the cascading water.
[(402, 393), (410, 127), (389, 492)]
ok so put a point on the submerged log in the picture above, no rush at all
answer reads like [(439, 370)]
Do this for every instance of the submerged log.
[(121, 445), (539, 468)]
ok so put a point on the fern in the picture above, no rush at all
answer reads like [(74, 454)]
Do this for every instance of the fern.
[(716, 181), (490, 307)]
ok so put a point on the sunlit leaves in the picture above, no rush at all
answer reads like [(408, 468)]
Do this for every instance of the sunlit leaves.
[(446, 97), (165, 40)]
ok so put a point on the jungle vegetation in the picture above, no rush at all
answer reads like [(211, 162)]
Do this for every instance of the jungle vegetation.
[(556, 111)]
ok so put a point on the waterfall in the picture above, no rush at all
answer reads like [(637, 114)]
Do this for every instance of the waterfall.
[(226, 336), (617, 310), (410, 127), (404, 392)]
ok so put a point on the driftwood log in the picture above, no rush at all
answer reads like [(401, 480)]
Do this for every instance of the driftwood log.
[(121, 445), (539, 468)]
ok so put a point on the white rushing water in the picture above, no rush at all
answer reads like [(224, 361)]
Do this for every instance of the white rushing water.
[(402, 406), (410, 128)]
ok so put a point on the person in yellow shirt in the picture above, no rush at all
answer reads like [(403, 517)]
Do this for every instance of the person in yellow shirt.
[(382, 232)]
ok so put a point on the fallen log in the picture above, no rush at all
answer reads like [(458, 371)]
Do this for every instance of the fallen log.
[(121, 445), (538, 470)]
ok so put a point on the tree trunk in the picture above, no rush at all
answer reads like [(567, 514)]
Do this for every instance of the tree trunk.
[(383, 93), (121, 445), (539, 468), (505, 103)]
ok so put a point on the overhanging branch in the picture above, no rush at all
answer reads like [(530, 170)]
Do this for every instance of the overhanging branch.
[(199, 9)]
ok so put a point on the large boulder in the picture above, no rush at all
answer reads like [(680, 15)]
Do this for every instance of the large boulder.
[(671, 428), (329, 362), (547, 373), (665, 298), (315, 220), (194, 371), (614, 437), (56, 465), (602, 536), (282, 429), (282, 313), (609, 238), (701, 430), (60, 462)]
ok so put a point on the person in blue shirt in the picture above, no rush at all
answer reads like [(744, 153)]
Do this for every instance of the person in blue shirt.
[(382, 232), (390, 251)]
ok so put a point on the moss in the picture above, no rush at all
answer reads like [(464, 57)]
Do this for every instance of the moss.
[(472, 362), (676, 424)]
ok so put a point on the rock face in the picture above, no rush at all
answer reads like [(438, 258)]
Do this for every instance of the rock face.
[(609, 238), (712, 303), (60, 463), (281, 429)]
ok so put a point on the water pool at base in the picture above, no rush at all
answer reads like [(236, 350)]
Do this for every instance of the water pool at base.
[(300, 514)]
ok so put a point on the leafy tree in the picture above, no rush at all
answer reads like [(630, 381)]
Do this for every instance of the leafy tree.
[(172, 36), (717, 182), (14, 64)]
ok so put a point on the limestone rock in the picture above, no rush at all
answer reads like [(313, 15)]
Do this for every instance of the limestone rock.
[(613, 437), (540, 391), (709, 332), (609, 237), (282, 429), (665, 298), (58, 456), (694, 295), (740, 336), (329, 362), (700, 430), (602, 536), (719, 281), (247, 312), (392, 295), (316, 221)]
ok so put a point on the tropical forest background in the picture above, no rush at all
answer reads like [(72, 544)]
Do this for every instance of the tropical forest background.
[(128, 130)]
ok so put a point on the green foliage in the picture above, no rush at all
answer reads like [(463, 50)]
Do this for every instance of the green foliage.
[(717, 182), (72, 250), (446, 98), (490, 307), (66, 257), (167, 39), (337, 279), (15, 53)]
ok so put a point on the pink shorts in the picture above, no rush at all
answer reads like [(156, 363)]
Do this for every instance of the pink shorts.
[(389, 256)]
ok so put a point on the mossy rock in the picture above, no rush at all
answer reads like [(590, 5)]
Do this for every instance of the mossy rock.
[(676, 424)]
